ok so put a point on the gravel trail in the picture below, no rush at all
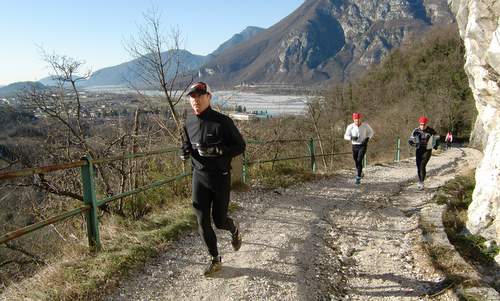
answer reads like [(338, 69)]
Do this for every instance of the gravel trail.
[(324, 240)]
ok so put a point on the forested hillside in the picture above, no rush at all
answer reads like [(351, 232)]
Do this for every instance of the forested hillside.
[(424, 77)]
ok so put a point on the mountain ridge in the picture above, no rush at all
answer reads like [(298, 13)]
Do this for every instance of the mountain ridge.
[(238, 38), (326, 41), (14, 88), (128, 73), (321, 42)]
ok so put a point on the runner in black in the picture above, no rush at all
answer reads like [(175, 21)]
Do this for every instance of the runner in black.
[(211, 140), (423, 138)]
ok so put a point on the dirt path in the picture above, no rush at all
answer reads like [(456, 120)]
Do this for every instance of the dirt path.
[(326, 240)]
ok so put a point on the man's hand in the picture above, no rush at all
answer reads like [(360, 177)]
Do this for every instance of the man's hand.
[(185, 155), (437, 142), (365, 141)]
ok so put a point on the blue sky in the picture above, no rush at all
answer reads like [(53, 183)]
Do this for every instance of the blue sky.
[(95, 31)]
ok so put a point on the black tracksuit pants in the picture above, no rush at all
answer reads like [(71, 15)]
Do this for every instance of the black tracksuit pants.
[(358, 153), (211, 195), (422, 158)]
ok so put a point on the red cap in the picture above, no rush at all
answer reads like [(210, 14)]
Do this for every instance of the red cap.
[(356, 116), (423, 119)]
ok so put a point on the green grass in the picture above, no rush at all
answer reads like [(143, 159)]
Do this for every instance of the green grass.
[(283, 174), (472, 248), (457, 195), (127, 244)]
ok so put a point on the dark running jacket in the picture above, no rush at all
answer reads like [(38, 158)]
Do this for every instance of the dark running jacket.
[(213, 129), (421, 137)]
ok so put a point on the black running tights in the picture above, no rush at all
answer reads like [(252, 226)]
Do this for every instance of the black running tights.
[(211, 195), (358, 154), (422, 158)]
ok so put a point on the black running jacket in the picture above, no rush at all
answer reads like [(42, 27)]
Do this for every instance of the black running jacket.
[(212, 128)]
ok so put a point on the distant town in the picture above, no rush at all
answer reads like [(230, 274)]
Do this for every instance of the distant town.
[(107, 106)]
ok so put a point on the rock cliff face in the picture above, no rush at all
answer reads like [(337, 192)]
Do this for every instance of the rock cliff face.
[(326, 40), (238, 38), (479, 24)]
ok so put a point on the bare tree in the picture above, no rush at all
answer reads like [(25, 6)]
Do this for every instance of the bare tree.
[(314, 111), (158, 65), (71, 134), (59, 104)]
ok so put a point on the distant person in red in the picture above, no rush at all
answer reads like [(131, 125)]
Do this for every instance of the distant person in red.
[(448, 140), (424, 139), (359, 133)]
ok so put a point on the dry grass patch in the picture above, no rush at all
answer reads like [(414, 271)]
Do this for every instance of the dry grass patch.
[(282, 174), (127, 244)]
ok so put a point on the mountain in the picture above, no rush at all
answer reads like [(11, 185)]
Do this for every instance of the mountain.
[(51, 81), (17, 87), (238, 38), (326, 40), (130, 72), (48, 81)]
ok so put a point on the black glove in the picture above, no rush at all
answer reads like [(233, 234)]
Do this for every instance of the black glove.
[(366, 140), (412, 141), (438, 143), (185, 154), (354, 138)]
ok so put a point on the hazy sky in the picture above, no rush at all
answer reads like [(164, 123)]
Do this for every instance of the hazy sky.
[(95, 31)]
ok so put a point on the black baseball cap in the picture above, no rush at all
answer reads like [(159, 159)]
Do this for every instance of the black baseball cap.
[(199, 88)]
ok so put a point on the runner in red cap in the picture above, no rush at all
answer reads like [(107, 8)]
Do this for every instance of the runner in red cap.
[(423, 138), (359, 133), (423, 120)]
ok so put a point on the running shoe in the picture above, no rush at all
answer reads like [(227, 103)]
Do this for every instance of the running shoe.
[(236, 239), (214, 266), (420, 185)]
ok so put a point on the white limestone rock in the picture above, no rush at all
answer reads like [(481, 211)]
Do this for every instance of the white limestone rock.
[(479, 24)]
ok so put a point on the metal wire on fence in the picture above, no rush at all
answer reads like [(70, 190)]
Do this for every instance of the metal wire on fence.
[(87, 171)]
